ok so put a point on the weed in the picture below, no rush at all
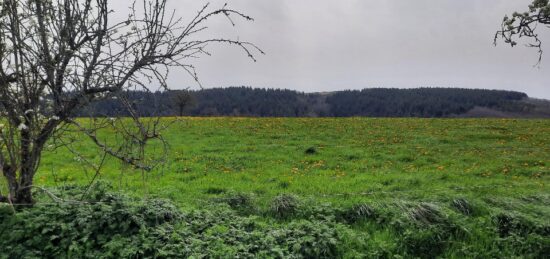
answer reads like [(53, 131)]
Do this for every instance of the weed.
[(215, 190), (239, 201), (284, 206), (357, 213), (463, 206), (427, 242), (426, 213), (508, 224), (284, 184), (128, 228)]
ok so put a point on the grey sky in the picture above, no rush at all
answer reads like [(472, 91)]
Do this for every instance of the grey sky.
[(322, 45)]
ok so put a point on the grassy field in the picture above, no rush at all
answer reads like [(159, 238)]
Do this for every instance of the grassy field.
[(484, 175), (334, 160)]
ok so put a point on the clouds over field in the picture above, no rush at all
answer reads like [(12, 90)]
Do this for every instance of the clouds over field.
[(326, 45)]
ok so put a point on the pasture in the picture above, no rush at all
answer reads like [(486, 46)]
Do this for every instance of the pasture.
[(417, 187), (341, 161)]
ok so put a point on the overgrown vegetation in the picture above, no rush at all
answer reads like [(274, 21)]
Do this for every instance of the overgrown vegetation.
[(115, 226), (107, 224)]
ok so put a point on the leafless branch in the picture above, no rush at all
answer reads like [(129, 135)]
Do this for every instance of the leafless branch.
[(59, 56)]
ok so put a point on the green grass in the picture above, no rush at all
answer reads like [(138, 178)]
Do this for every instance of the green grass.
[(469, 177), (350, 160)]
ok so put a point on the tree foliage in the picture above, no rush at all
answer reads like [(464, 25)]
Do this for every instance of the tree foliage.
[(378, 102), (422, 102)]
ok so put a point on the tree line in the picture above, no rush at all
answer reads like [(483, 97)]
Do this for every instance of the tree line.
[(247, 101)]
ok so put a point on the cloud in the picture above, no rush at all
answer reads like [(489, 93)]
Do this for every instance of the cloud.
[(315, 45)]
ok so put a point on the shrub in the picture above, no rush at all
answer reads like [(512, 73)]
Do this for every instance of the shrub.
[(425, 242), (357, 213), (284, 206), (241, 202), (87, 229), (310, 240), (116, 226), (238, 200), (111, 225)]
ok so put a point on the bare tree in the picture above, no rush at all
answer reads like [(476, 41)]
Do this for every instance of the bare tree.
[(58, 56), (182, 100), (524, 25)]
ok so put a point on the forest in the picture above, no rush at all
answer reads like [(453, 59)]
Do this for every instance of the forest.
[(254, 102)]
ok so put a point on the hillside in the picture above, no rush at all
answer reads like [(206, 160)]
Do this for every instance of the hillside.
[(375, 102)]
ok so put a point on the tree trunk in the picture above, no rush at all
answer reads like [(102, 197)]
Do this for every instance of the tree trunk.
[(21, 187), (20, 177), (20, 192), (23, 195)]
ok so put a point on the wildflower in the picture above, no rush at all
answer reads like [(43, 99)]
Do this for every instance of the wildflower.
[(22, 126)]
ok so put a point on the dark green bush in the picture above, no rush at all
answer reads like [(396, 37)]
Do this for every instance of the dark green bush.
[(242, 203), (424, 242), (116, 226), (110, 225)]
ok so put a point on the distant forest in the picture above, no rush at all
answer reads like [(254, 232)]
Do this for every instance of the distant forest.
[(375, 102)]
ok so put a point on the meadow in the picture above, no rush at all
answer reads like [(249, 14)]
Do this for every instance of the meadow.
[(422, 187), (333, 160)]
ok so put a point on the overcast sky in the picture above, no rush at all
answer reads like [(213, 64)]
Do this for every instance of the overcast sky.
[(322, 45)]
